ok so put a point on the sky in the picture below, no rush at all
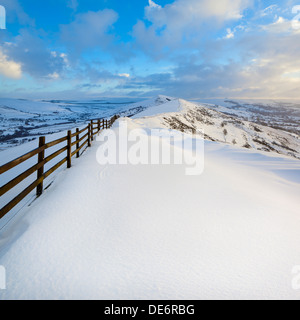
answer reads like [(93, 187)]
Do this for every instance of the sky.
[(193, 49)]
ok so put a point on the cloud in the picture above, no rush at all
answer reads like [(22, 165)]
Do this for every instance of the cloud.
[(97, 76), (153, 5), (257, 79), (260, 60), (230, 34), (182, 13), (53, 76), (93, 33), (124, 75), (253, 64), (183, 22), (89, 30), (90, 86), (9, 68), (72, 4), (269, 10), (206, 49), (281, 26), (32, 53)]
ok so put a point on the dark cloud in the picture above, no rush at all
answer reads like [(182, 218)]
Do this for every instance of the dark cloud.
[(36, 59)]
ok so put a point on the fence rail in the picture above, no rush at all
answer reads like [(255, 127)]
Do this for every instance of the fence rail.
[(71, 140)]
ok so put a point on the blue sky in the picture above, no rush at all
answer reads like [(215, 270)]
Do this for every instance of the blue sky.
[(185, 48)]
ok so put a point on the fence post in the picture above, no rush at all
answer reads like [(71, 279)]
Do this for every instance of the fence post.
[(89, 135), (106, 124), (92, 131), (69, 155), (77, 144), (99, 126), (40, 172)]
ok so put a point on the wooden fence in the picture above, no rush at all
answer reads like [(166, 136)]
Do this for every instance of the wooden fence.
[(81, 138)]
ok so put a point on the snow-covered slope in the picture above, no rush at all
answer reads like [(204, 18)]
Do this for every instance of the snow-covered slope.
[(151, 232), (283, 114), (217, 126), (14, 152)]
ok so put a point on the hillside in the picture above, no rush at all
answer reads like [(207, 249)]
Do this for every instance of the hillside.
[(283, 115), (153, 232), (221, 127)]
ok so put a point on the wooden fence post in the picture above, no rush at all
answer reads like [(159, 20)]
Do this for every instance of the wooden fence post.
[(106, 124), (77, 144), (40, 172), (69, 155), (99, 126), (89, 135), (92, 131)]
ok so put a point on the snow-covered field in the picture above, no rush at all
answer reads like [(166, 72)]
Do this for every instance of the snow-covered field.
[(24, 120), (153, 232)]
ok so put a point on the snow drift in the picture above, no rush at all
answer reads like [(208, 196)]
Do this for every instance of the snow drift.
[(152, 232)]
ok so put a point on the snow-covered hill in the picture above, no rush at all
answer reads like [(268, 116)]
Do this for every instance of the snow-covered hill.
[(261, 125), (160, 112), (222, 127), (283, 115), (152, 232)]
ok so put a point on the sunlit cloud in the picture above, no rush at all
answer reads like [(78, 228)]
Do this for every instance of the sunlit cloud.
[(9, 68), (187, 48)]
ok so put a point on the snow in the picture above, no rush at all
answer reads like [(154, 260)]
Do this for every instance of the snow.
[(152, 232), (283, 114), (31, 107), (180, 114), (167, 107), (24, 120)]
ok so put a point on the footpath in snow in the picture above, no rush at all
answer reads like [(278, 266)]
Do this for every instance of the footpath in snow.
[(152, 232)]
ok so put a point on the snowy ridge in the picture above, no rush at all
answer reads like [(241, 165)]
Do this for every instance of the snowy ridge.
[(182, 115), (284, 115), (152, 232), (22, 121)]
